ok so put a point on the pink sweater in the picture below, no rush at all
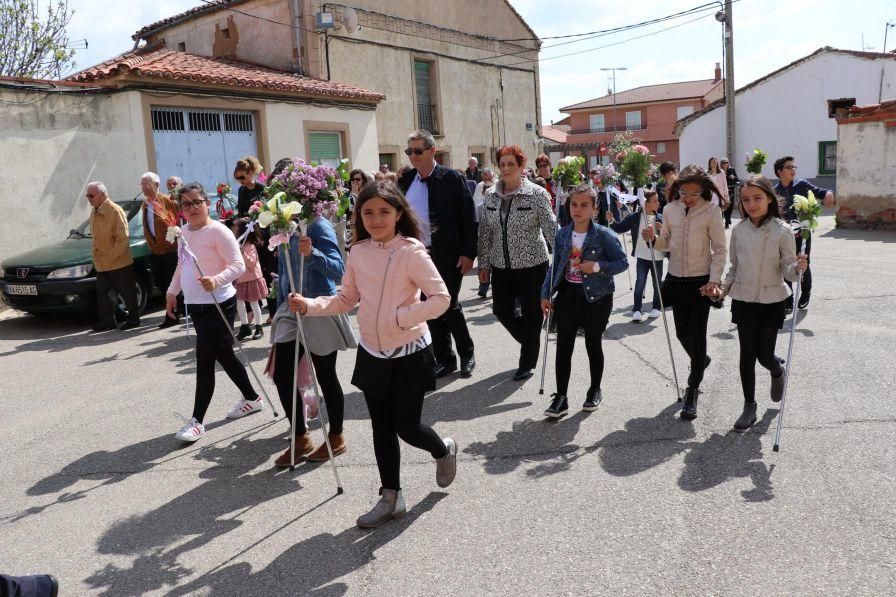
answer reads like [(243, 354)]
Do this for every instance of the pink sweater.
[(219, 257), (253, 267), (386, 278)]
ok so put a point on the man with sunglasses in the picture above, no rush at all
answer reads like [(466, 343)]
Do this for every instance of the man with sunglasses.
[(112, 259), (788, 186), (443, 203)]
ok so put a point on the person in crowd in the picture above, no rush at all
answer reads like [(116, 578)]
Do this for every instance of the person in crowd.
[(731, 180), (388, 270), (763, 259), (442, 202), (586, 257), (384, 169), (172, 183), (540, 182), (543, 169), (488, 181), (635, 223), (788, 186), (670, 174), (515, 232), (391, 177), (246, 173), (205, 274), (694, 235), (112, 260), (358, 179), (251, 287), (720, 181), (323, 271), (473, 172), (159, 212)]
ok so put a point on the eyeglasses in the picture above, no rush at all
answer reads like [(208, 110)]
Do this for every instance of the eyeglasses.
[(411, 150), (357, 180), (90, 195), (790, 167), (542, 165), (685, 195), (191, 204)]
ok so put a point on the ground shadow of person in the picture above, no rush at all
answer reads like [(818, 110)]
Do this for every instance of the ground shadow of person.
[(311, 566), (195, 518), (732, 455), (645, 442), (546, 442)]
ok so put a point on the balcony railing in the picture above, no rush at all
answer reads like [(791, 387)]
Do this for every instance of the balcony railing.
[(427, 118), (609, 129)]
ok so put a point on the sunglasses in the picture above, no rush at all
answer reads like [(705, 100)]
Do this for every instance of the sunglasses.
[(357, 180), (240, 177), (191, 204), (414, 151)]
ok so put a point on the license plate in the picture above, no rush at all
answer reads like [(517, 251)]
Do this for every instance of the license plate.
[(22, 289)]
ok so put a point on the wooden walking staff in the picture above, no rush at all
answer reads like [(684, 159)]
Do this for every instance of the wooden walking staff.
[(301, 341)]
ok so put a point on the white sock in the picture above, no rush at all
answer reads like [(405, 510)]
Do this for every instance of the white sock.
[(241, 312), (256, 312)]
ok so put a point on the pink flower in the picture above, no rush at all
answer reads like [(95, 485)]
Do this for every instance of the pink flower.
[(641, 149), (254, 209)]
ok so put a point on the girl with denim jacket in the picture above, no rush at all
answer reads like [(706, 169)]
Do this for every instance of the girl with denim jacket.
[(764, 262), (586, 258)]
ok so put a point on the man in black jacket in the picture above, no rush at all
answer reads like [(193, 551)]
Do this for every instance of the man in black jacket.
[(442, 202)]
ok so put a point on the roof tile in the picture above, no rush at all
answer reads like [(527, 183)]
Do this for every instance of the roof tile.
[(208, 6), (650, 93)]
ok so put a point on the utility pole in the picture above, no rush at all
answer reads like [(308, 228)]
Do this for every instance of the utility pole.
[(886, 30), (725, 17), (613, 71)]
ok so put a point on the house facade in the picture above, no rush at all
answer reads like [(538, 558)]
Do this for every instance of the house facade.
[(791, 112), (440, 66), (648, 112)]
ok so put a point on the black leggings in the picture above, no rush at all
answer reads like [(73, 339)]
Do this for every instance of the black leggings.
[(566, 342), (691, 316), (325, 368), (215, 343), (573, 311), (756, 343)]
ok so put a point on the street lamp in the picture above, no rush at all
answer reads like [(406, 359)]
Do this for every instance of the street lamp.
[(613, 70), (887, 30)]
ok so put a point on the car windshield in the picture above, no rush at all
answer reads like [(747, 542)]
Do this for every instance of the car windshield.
[(135, 222)]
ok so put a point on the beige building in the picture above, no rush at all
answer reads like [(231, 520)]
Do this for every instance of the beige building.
[(440, 65)]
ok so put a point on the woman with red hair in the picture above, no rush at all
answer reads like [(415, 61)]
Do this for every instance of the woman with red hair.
[(515, 230)]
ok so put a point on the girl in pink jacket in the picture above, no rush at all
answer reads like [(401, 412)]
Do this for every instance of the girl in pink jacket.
[(250, 287), (387, 270)]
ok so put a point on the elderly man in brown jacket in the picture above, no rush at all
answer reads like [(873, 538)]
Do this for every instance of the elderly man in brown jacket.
[(112, 259), (159, 212)]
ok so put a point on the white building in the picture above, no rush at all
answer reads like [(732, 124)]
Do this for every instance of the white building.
[(790, 112)]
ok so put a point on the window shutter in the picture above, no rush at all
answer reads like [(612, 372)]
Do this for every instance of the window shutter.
[(325, 148)]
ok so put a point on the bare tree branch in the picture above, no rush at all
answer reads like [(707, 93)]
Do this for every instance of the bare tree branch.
[(35, 44)]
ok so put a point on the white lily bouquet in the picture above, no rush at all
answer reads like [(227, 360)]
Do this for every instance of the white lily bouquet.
[(807, 210)]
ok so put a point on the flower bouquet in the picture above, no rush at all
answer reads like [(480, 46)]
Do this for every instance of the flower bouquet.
[(634, 165), (807, 210), (755, 161), (606, 174), (568, 173), (226, 204)]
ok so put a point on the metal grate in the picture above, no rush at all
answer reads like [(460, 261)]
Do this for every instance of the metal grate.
[(167, 120), (238, 122), (204, 121)]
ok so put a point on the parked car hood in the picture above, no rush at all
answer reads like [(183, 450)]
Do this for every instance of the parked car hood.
[(74, 251)]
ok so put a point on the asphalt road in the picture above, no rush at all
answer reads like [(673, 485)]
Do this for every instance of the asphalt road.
[(628, 500)]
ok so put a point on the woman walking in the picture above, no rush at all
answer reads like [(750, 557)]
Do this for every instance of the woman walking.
[(515, 230), (763, 264), (387, 270), (323, 270), (217, 255), (694, 236), (719, 179), (732, 181)]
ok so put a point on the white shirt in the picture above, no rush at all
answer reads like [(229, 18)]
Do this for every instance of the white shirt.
[(418, 198), (150, 218)]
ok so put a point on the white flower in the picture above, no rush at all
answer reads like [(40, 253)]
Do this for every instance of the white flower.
[(173, 234), (265, 218)]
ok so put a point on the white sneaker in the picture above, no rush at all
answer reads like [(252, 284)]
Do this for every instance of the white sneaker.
[(191, 431), (637, 317), (245, 407), (654, 313)]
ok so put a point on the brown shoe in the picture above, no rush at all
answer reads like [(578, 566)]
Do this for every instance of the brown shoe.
[(337, 444), (304, 445)]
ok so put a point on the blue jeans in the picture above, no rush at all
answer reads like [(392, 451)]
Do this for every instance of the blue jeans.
[(644, 269)]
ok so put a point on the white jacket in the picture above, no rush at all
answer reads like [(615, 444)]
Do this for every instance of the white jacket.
[(761, 260)]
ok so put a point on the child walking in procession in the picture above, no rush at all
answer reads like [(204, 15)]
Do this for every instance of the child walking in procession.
[(638, 221), (215, 249), (387, 270), (586, 257), (694, 234), (251, 286), (763, 265)]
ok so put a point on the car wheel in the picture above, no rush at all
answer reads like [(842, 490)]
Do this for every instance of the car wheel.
[(121, 311)]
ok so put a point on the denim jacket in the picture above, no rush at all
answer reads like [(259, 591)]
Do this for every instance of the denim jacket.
[(323, 268), (601, 246)]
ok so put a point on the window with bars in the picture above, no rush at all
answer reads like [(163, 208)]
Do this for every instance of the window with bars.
[(238, 122), (167, 120), (827, 157), (427, 110), (204, 121)]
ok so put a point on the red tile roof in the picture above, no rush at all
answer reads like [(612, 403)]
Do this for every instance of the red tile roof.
[(651, 93), (162, 63), (555, 134), (209, 6), (874, 113)]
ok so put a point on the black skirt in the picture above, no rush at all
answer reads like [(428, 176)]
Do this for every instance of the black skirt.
[(758, 314), (414, 372), (677, 290)]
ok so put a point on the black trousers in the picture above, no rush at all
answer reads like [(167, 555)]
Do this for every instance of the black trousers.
[(510, 285), (396, 407), (806, 287), (325, 368), (163, 267), (451, 324), (690, 311), (214, 342), (731, 201), (757, 343), (111, 283), (572, 312)]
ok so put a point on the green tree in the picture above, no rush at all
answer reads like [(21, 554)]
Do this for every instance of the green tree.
[(34, 43)]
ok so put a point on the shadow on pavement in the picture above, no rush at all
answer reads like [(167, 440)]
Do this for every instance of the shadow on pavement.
[(879, 236), (645, 442)]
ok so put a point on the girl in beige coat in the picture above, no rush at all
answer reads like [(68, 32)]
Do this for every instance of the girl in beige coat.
[(763, 262)]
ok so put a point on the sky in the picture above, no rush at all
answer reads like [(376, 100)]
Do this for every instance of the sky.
[(768, 34)]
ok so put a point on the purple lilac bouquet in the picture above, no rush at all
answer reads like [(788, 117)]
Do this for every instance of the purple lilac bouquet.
[(312, 186)]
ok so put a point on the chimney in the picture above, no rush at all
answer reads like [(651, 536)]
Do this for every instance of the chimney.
[(718, 76)]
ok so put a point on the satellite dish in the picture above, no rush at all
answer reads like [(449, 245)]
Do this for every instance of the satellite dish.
[(350, 20)]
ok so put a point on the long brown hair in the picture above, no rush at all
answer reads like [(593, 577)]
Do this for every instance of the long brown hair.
[(764, 185), (388, 191)]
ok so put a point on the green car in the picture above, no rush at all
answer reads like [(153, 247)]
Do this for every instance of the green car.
[(60, 277)]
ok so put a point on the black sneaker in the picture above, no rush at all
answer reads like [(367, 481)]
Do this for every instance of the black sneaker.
[(689, 409), (804, 302), (259, 332), (592, 400), (558, 407), (245, 332)]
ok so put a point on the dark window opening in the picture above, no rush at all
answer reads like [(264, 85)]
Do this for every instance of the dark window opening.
[(204, 121), (167, 120)]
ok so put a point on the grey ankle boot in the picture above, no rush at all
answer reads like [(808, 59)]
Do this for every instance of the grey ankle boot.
[(746, 418), (391, 505), (777, 390), (446, 466)]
